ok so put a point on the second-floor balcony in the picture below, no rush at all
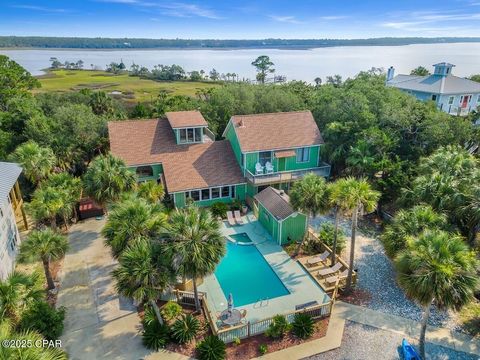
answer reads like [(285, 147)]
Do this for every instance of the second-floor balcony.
[(286, 176)]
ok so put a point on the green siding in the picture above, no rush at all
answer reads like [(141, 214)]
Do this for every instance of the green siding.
[(251, 190), (179, 199), (157, 171), (250, 160), (293, 227), (241, 192), (268, 222), (232, 137), (291, 162)]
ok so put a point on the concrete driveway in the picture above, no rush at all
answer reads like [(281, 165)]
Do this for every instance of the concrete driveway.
[(99, 324)]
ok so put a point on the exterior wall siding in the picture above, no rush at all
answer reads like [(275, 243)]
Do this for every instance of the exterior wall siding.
[(293, 228), (179, 199), (290, 163), (232, 137), (268, 222), (240, 194), (9, 238)]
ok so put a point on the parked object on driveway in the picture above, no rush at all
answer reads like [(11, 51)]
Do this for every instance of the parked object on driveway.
[(87, 208), (409, 352)]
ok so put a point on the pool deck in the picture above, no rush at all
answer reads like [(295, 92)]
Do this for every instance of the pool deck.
[(301, 287)]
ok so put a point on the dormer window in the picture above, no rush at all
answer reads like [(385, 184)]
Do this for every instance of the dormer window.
[(190, 135)]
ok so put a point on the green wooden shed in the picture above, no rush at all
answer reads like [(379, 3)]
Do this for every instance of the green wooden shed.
[(275, 213)]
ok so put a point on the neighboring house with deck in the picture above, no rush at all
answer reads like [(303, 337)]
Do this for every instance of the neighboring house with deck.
[(452, 94), (11, 212), (182, 153)]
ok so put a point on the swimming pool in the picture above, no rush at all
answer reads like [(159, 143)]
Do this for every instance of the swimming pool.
[(245, 274), (242, 238)]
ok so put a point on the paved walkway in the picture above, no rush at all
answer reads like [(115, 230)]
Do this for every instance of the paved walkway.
[(99, 324)]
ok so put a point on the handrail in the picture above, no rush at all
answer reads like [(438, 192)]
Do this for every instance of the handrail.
[(286, 175)]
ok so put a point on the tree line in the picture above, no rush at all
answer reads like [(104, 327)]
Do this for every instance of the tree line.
[(135, 43)]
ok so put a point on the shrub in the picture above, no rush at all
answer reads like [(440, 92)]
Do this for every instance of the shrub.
[(236, 205), (263, 349), (211, 348), (237, 341), (43, 318), (219, 209), (171, 310), (149, 315), (278, 327), (303, 326), (326, 234), (155, 335), (185, 328)]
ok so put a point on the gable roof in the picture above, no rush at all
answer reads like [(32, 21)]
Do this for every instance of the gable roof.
[(436, 84), (186, 166), (9, 176), (276, 202), (183, 119), (276, 131)]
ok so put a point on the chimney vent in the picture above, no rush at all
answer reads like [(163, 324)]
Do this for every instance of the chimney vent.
[(390, 73)]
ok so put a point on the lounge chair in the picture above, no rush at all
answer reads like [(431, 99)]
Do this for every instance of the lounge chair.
[(319, 258), (329, 271), (238, 217), (306, 305), (332, 279), (269, 167), (258, 169), (230, 218)]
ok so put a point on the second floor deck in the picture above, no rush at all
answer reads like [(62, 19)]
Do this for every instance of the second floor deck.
[(286, 176)]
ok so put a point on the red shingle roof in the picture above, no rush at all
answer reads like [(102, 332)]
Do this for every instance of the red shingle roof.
[(182, 119), (186, 167), (276, 131)]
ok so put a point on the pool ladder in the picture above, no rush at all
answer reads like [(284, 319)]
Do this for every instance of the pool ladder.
[(260, 303)]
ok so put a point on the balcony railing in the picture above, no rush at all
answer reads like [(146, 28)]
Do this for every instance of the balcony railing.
[(208, 135), (286, 176)]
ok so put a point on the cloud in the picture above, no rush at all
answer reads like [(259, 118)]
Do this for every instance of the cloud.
[(333, 17), (40, 8), (285, 19), (187, 10)]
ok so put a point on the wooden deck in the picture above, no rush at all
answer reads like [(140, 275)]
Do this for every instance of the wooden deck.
[(313, 269)]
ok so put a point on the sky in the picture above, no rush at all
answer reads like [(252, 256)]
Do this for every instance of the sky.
[(238, 19)]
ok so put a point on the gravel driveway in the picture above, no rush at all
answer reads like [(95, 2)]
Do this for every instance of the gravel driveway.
[(362, 342), (376, 276)]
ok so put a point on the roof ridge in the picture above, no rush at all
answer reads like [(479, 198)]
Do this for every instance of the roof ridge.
[(133, 120), (271, 113)]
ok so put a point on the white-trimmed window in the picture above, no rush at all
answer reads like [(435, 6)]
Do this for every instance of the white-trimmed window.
[(190, 135), (478, 99), (264, 157), (144, 171), (434, 97), (451, 99), (211, 193), (303, 155)]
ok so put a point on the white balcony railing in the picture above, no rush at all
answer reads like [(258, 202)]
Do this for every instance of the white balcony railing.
[(287, 176)]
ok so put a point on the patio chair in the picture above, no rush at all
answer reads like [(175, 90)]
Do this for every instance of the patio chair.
[(329, 271), (319, 258), (230, 218), (269, 167), (258, 169), (332, 279), (238, 217)]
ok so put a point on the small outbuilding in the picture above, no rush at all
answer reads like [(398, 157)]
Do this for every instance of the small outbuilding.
[(275, 213)]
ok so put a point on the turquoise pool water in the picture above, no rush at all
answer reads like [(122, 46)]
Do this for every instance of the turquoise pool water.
[(241, 238), (245, 274)]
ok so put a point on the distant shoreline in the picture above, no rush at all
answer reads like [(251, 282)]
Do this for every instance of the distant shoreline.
[(116, 44)]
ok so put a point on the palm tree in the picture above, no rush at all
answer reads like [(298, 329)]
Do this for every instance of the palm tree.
[(71, 189), (132, 219), (47, 203), (151, 191), (194, 244), (37, 162), (310, 196), (411, 222), (17, 292), (437, 267), (106, 178), (143, 273), (26, 337), (45, 245), (354, 197)]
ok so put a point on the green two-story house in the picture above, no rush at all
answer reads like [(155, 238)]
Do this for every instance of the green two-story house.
[(276, 149), (258, 150)]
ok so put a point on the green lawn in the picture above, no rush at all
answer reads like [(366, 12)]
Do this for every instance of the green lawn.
[(133, 88)]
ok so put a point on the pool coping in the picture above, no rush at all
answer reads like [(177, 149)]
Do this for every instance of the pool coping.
[(301, 287)]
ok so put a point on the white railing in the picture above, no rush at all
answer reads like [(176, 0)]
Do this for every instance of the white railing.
[(286, 176)]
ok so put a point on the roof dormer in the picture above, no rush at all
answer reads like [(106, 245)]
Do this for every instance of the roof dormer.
[(189, 127)]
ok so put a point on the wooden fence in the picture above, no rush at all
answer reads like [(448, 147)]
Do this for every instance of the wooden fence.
[(253, 328)]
